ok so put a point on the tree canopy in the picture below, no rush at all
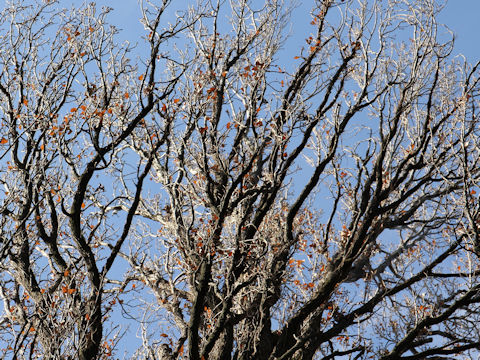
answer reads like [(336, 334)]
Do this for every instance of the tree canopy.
[(231, 197)]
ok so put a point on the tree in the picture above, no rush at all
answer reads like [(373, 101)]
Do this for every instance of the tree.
[(233, 201)]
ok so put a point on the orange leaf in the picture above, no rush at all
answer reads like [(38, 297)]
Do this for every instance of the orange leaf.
[(164, 335), (140, 77), (66, 273), (473, 192), (126, 95), (83, 205), (228, 125), (32, 329), (297, 57), (176, 101), (71, 291), (3, 141), (164, 108), (73, 110), (25, 102), (87, 317)]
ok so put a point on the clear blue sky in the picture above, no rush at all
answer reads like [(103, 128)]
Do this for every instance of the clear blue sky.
[(462, 17)]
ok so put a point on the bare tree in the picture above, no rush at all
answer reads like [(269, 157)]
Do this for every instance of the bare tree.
[(234, 197)]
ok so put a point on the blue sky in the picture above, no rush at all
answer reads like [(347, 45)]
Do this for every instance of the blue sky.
[(462, 17)]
